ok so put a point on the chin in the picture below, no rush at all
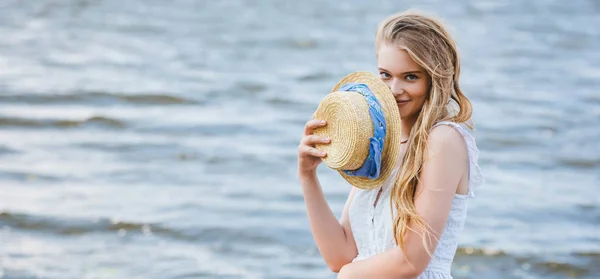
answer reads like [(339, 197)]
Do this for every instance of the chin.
[(403, 112)]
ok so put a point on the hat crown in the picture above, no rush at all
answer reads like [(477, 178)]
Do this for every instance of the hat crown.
[(350, 146)]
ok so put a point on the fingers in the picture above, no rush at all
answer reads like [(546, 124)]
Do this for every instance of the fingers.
[(311, 140), (306, 150), (307, 144), (312, 124)]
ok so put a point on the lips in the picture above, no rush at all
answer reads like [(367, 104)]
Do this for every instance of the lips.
[(400, 102)]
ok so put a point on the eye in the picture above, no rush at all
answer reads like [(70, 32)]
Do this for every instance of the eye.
[(384, 75), (411, 77)]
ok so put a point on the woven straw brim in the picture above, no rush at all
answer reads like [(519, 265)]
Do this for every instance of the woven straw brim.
[(348, 134)]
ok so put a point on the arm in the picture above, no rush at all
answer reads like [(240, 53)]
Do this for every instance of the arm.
[(442, 171), (334, 239)]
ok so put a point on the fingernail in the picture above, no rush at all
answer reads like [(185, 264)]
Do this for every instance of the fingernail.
[(322, 152), (322, 121), (327, 140)]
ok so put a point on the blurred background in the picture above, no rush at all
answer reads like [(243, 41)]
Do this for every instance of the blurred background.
[(157, 139)]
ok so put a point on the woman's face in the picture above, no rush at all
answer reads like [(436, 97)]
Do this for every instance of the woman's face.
[(408, 81)]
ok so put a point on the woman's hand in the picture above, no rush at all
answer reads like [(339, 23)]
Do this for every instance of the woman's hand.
[(342, 274), (309, 157)]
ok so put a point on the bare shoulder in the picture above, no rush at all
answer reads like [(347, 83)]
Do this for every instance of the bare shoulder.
[(448, 141), (445, 160)]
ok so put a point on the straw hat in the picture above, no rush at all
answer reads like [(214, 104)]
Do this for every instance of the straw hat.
[(350, 126)]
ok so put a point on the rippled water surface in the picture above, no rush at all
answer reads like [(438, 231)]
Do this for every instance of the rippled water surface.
[(153, 139)]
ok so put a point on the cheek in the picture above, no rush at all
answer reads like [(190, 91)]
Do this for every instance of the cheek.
[(418, 89)]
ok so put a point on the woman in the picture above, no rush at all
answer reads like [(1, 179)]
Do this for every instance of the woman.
[(407, 228)]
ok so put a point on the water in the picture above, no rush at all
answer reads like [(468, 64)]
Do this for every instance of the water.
[(146, 139)]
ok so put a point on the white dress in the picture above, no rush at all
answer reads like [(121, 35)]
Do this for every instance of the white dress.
[(372, 226)]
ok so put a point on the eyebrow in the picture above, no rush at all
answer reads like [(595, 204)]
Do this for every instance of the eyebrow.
[(409, 72)]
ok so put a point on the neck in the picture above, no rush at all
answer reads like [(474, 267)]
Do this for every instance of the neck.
[(407, 124)]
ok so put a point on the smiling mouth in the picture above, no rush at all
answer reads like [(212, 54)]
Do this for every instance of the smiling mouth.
[(402, 102)]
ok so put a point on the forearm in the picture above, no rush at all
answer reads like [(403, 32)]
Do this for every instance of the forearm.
[(327, 231), (388, 265)]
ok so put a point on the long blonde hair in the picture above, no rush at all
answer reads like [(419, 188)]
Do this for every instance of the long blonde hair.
[(430, 45)]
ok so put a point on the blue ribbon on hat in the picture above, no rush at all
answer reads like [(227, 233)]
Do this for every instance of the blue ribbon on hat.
[(372, 165)]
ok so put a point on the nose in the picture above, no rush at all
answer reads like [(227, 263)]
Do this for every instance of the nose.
[(396, 87)]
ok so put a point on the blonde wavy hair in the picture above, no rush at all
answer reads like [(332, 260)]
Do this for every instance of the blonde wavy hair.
[(430, 45)]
